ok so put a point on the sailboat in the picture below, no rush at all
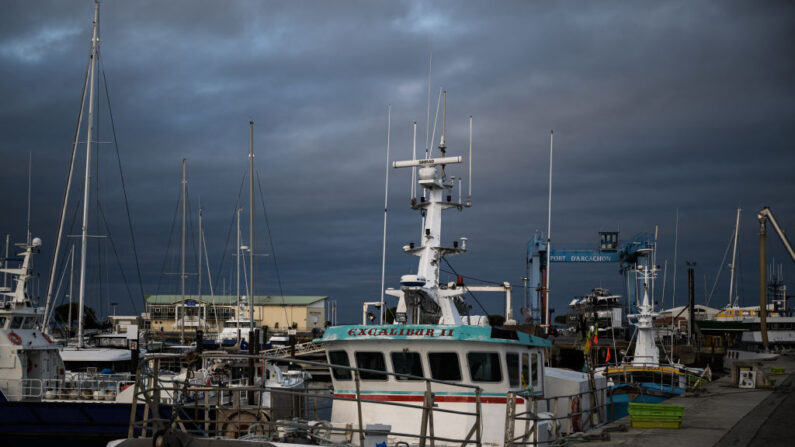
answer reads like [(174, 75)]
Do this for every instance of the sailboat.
[(108, 353)]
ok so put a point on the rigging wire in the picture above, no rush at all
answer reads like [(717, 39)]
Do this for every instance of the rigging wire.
[(168, 244), (273, 249), (720, 270), (485, 312), (118, 259), (121, 176), (472, 278), (229, 232)]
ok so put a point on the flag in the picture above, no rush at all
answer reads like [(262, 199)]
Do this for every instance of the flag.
[(596, 338), (607, 357)]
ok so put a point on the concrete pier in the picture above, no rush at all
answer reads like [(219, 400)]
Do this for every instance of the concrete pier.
[(722, 415)]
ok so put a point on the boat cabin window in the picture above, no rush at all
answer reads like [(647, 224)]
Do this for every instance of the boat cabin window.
[(406, 363), (512, 362), (2, 322), (525, 371), (29, 323), (444, 365), (371, 360), (16, 323), (484, 366), (534, 370), (340, 358)]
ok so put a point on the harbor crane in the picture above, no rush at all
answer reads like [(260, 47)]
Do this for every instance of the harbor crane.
[(764, 216), (627, 254)]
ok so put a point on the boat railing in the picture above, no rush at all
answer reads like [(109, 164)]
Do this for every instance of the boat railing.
[(567, 413), (660, 374), (98, 388), (206, 408)]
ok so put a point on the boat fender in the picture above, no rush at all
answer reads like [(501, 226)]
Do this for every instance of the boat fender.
[(14, 338), (575, 413), (46, 337)]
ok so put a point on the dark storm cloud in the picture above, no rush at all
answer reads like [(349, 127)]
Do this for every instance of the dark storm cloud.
[(655, 106)]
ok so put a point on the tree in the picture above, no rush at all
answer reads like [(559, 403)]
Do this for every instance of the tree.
[(61, 315)]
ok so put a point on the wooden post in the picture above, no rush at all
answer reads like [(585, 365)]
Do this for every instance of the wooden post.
[(510, 415), (478, 419), (359, 408)]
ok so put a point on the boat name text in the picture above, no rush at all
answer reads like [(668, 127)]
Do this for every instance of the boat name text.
[(408, 332)]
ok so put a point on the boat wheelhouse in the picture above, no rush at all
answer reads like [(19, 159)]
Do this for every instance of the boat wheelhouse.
[(478, 365)]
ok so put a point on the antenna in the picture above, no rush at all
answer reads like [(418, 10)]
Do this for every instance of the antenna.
[(30, 170), (386, 197), (469, 195), (414, 169), (549, 231), (435, 119), (444, 123), (428, 106)]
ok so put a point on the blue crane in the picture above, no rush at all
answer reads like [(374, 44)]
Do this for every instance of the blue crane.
[(626, 254)]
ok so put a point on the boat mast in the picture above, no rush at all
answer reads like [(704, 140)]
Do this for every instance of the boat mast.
[(182, 258), (386, 196), (237, 272), (87, 183), (734, 258), (251, 225), (549, 240)]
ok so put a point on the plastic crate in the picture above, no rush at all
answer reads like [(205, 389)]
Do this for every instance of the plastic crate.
[(656, 422), (777, 370), (655, 410), (656, 415)]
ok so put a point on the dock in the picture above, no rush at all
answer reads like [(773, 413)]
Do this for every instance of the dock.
[(720, 415)]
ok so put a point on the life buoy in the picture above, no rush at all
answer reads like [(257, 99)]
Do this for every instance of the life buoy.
[(575, 413), (14, 338)]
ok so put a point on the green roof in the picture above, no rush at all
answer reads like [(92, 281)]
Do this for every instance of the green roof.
[(259, 300)]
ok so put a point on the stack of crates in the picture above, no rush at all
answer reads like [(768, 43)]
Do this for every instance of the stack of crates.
[(656, 415), (777, 370)]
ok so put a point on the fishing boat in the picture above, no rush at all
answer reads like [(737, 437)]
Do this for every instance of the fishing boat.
[(643, 376)]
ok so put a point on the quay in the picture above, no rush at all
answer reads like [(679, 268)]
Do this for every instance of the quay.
[(720, 415)]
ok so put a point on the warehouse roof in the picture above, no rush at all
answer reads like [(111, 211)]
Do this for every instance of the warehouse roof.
[(259, 300)]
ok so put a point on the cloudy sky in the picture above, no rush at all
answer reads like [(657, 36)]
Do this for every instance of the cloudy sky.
[(656, 107)]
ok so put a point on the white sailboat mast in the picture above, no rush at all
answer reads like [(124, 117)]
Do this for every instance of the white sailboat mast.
[(734, 258), (251, 224), (87, 184)]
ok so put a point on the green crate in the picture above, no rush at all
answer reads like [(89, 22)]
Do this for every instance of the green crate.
[(658, 422), (777, 370), (656, 410)]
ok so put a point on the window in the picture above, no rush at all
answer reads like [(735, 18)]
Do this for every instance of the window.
[(371, 360), (444, 365), (340, 358), (16, 323), (534, 373), (2, 322), (525, 371), (29, 323), (407, 363), (512, 361), (484, 366)]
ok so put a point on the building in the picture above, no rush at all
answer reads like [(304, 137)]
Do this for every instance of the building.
[(168, 313)]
